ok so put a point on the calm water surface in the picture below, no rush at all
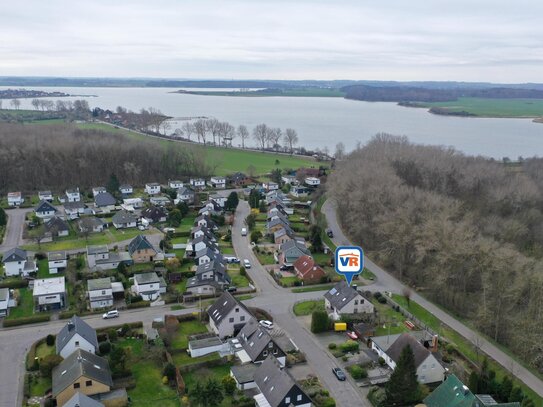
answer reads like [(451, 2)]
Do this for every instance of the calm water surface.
[(324, 122)]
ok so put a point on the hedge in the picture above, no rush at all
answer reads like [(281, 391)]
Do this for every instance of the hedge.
[(131, 325), (139, 304), (26, 320), (199, 365), (31, 355), (14, 284)]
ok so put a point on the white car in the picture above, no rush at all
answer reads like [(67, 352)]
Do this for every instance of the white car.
[(266, 324), (243, 231), (111, 314), (246, 264)]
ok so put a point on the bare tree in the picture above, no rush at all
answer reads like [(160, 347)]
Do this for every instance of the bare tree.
[(291, 138), (274, 135), (15, 103), (188, 129), (200, 130), (260, 134), (226, 132), (243, 134), (340, 151), (213, 126), (60, 106), (36, 103), (0, 104), (407, 293)]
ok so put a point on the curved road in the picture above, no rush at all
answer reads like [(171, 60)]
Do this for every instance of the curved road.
[(386, 281)]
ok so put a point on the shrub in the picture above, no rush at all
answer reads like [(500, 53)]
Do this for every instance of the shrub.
[(165, 380), (328, 402), (104, 347), (381, 361), (345, 358), (112, 335), (50, 340), (377, 295), (319, 321), (48, 363), (26, 320), (382, 300), (332, 345), (349, 346), (228, 384), (40, 256), (169, 371), (242, 271), (14, 284), (451, 349), (358, 372)]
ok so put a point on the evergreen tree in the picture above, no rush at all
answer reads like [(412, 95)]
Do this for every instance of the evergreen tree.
[(403, 388), (315, 232), (3, 217), (183, 208), (175, 217), (276, 176), (473, 382), (214, 393), (504, 389), (232, 202), (516, 395), (113, 185), (319, 321)]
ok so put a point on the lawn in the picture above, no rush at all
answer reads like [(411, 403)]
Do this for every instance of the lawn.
[(184, 359), (237, 279), (181, 286), (492, 107), (149, 389), (134, 345), (307, 307), (321, 258), (43, 268), (25, 307), (368, 275), (186, 224), (187, 328), (39, 386), (390, 321), (264, 258), (44, 350), (320, 287), (288, 281), (226, 160)]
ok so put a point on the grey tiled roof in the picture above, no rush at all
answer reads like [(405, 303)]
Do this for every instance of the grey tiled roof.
[(273, 381), (147, 278), (76, 326), (99, 284), (340, 295), (14, 254), (140, 242), (220, 309), (105, 199), (81, 400)]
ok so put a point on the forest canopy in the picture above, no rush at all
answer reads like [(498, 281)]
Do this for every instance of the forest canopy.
[(60, 156), (468, 231)]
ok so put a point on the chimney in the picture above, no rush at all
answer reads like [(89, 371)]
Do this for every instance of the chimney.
[(435, 343), (71, 326)]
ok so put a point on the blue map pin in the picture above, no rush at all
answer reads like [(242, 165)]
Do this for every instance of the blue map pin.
[(349, 262)]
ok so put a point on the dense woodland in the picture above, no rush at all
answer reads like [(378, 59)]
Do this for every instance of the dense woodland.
[(53, 157), (467, 231)]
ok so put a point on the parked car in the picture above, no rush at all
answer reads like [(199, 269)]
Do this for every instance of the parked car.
[(339, 374), (266, 324), (247, 264), (111, 314), (243, 231), (330, 233), (285, 268), (352, 335), (232, 289), (231, 259)]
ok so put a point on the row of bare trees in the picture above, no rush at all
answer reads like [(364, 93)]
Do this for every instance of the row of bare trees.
[(56, 157), (467, 230)]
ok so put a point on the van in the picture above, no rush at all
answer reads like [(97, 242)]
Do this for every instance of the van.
[(243, 231)]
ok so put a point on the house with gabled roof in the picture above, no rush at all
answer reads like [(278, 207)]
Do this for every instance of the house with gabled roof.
[(198, 183), (308, 271), (149, 286), (277, 223), (45, 196), (141, 250), (186, 195), (45, 210), (205, 220), (292, 250), (91, 224), (207, 255), (126, 190), (175, 184), (100, 292), (258, 344), (17, 263), (72, 195), (105, 201), (152, 188), (239, 179), (76, 334), (210, 278), (82, 372), (199, 231), (155, 214), (57, 226), (74, 209), (227, 316), (342, 299), (200, 243), (15, 199), (277, 387), (282, 235), (81, 400), (270, 186), (124, 220), (98, 190), (210, 208), (100, 258)]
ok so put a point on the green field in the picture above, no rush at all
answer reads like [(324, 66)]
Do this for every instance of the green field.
[(299, 92), (307, 307), (25, 307), (492, 107), (226, 160)]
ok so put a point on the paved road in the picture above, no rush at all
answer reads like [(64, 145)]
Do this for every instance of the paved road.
[(386, 281), (278, 302), (14, 230)]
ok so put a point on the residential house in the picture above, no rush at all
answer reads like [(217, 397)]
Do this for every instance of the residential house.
[(204, 344), (15, 199), (82, 372), (210, 278), (308, 271), (218, 182), (105, 201), (199, 231), (244, 375), (49, 293), (200, 243), (45, 210), (73, 195), (277, 387), (218, 199), (276, 210), (207, 255), (299, 191), (312, 181), (98, 190), (130, 204), (100, 292), (155, 214), (100, 258), (275, 213), (258, 344), (81, 400), (152, 188), (453, 393), (292, 250), (186, 195), (57, 261), (343, 299), (210, 208), (45, 196), (270, 186), (204, 220), (389, 347), (91, 224), (124, 220), (175, 184), (239, 179), (227, 316), (141, 250), (277, 223), (310, 172), (198, 183), (17, 263), (76, 334), (126, 190), (160, 200), (57, 227), (6, 302), (282, 235), (289, 179), (74, 209), (149, 286)]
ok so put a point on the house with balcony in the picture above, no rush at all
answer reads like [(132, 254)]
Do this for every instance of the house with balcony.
[(17, 263), (176, 184), (218, 182), (49, 293), (149, 286), (15, 199), (152, 188), (198, 183), (258, 344), (57, 261)]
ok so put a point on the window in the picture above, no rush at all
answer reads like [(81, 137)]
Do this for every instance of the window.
[(231, 320), (355, 302), (76, 343), (433, 365), (423, 367), (265, 353), (237, 309), (103, 292), (242, 318), (88, 383), (76, 385), (275, 351), (299, 397), (270, 345), (287, 400), (355, 310)]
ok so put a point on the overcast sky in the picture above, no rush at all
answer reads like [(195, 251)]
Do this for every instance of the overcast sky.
[(472, 40)]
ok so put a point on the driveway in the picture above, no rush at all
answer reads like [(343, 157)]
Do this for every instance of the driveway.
[(14, 229), (386, 281)]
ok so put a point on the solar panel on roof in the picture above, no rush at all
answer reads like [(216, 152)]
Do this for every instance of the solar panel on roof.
[(333, 291)]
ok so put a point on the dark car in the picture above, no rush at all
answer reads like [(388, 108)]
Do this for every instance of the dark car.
[(285, 268), (339, 373), (232, 289), (330, 233)]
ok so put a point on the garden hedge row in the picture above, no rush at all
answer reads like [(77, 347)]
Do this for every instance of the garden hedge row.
[(139, 304), (26, 320), (14, 284)]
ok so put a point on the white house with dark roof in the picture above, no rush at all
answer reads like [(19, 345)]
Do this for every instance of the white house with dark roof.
[(100, 258), (198, 183), (100, 292), (186, 195), (175, 184), (15, 199), (343, 299), (57, 226), (126, 189), (91, 224), (277, 387), (76, 334), (49, 293), (45, 210), (227, 316), (17, 263), (73, 195), (149, 286), (207, 255), (199, 231), (124, 220), (74, 209), (152, 188), (292, 250), (57, 261), (204, 220), (218, 182), (258, 344), (5, 301), (45, 196), (98, 190), (105, 201)]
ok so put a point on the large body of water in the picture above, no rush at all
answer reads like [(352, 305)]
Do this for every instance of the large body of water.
[(324, 122)]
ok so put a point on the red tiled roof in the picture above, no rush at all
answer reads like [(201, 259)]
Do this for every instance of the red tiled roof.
[(305, 264)]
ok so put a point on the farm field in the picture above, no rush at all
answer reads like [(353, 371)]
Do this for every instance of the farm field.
[(492, 107)]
